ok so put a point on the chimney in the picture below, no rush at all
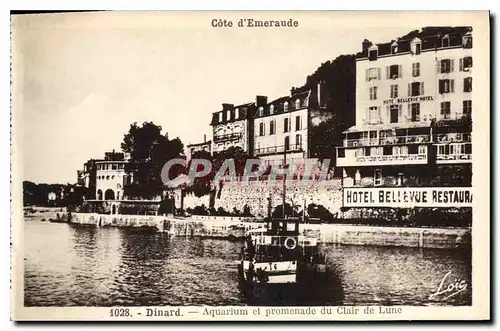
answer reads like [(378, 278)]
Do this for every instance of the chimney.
[(204, 138), (365, 45), (292, 91), (227, 106), (261, 101)]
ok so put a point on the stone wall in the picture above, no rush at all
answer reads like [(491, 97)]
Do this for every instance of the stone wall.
[(227, 227)]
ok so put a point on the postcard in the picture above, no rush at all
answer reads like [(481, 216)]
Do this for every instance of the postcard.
[(250, 166)]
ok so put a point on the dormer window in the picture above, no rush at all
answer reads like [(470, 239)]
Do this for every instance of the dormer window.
[(220, 116), (228, 115), (271, 109), (285, 105), (394, 48), (236, 113), (467, 40), (297, 104), (445, 42), (373, 53), (416, 46), (261, 111)]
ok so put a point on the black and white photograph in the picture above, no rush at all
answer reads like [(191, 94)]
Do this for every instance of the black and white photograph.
[(250, 165)]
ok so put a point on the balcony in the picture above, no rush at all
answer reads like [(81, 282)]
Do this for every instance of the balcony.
[(382, 160), (453, 158), (404, 140), (278, 150), (394, 140), (228, 137)]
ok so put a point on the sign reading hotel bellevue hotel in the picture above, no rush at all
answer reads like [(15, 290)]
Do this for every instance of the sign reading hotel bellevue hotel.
[(408, 197), (407, 100)]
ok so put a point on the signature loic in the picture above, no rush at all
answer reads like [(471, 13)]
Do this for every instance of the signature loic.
[(450, 290)]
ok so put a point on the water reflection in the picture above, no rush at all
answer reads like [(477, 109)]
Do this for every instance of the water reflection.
[(75, 266)]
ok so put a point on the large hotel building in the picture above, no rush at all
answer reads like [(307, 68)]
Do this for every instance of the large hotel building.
[(413, 114)]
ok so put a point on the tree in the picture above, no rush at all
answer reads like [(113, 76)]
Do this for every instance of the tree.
[(149, 151), (325, 137)]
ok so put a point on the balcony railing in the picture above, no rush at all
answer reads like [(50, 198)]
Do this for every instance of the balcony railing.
[(453, 158), (391, 158), (416, 139), (227, 137), (278, 149)]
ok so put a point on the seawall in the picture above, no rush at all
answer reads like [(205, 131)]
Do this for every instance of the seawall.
[(235, 227)]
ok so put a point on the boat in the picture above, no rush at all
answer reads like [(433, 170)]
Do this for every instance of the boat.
[(277, 259)]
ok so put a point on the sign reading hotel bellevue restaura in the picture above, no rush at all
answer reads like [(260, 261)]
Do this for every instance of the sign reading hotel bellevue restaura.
[(408, 100), (407, 197)]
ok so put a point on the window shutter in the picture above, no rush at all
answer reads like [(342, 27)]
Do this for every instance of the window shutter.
[(452, 85), (422, 88), (400, 71), (438, 66), (452, 61), (408, 113), (378, 73), (388, 113), (367, 74), (441, 86), (409, 89), (461, 64), (387, 71)]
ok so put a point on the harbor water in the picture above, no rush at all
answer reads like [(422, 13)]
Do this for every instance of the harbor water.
[(67, 265)]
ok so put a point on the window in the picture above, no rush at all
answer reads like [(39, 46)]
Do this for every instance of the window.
[(272, 127), (285, 106), (228, 115), (416, 46), (261, 111), (298, 141), (394, 48), (394, 90), (373, 93), (374, 151), (287, 143), (377, 177), (220, 117), (271, 109), (359, 152), (445, 42), (446, 66), (467, 108), (261, 129), (422, 149), (372, 73), (445, 110), (236, 113), (465, 63), (415, 112), (468, 84), (298, 123), (394, 71), (415, 69), (415, 89), (297, 104), (394, 113), (373, 54), (286, 125), (467, 41), (446, 86), (374, 115)]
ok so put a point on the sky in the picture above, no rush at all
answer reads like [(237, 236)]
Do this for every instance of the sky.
[(80, 80)]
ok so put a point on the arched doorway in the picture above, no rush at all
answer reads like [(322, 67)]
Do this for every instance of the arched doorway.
[(109, 195), (99, 194)]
